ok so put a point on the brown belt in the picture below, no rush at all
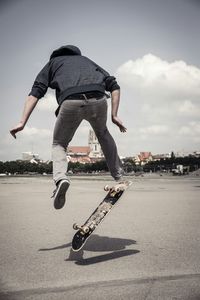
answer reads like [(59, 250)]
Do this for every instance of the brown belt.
[(85, 96)]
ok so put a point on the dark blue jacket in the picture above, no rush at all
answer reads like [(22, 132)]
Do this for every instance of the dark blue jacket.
[(69, 72)]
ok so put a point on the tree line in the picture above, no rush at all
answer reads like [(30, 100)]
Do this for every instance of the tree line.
[(167, 164), (164, 164), (26, 167)]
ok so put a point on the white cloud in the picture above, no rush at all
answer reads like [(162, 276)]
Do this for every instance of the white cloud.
[(191, 133), (162, 101), (154, 76), (188, 108), (191, 129), (36, 132), (37, 140), (154, 130), (47, 103)]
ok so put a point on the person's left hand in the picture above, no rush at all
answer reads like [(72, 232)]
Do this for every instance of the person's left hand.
[(118, 122)]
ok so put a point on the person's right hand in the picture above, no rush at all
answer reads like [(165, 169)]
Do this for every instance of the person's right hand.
[(118, 122), (14, 130)]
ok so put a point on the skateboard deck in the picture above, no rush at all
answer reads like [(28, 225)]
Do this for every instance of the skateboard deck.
[(114, 194)]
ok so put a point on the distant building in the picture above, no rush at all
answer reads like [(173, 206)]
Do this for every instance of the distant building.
[(78, 154), (86, 154), (158, 157), (187, 153), (143, 158), (95, 148), (182, 153), (29, 156)]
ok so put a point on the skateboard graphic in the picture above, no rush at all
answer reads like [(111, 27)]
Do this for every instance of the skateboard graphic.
[(114, 194)]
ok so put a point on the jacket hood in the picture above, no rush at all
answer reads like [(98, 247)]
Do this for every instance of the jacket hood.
[(66, 50)]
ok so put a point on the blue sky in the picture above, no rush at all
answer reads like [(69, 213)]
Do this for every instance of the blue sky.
[(151, 46)]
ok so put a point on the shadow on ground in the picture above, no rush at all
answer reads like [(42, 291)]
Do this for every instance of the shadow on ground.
[(80, 260), (98, 243)]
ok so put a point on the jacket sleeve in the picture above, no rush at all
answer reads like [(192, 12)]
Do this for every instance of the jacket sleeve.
[(111, 84), (110, 81), (41, 83)]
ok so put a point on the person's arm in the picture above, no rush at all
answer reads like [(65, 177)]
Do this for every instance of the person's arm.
[(115, 99), (29, 106), (38, 90)]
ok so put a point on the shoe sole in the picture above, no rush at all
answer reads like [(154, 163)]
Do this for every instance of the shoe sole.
[(59, 200)]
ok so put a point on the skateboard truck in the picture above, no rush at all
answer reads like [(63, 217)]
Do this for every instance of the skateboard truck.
[(84, 229), (113, 190)]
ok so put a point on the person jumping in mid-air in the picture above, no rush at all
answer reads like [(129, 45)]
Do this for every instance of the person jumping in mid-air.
[(80, 86)]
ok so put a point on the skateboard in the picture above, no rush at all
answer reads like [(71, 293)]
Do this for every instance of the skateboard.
[(114, 194)]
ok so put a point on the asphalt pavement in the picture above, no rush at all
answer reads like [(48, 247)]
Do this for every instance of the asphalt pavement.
[(147, 248)]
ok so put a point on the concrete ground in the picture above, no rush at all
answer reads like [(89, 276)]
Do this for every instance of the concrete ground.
[(147, 248)]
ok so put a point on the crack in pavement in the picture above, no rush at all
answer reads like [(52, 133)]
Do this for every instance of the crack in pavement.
[(99, 284)]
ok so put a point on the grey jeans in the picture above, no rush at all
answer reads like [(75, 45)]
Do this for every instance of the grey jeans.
[(71, 113)]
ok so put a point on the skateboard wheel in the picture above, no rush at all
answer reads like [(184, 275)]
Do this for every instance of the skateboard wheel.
[(85, 229), (75, 226), (92, 226), (106, 188)]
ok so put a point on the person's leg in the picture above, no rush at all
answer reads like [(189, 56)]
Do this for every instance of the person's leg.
[(97, 117), (69, 118)]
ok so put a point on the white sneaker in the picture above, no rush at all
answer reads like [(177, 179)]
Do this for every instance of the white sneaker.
[(59, 193)]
